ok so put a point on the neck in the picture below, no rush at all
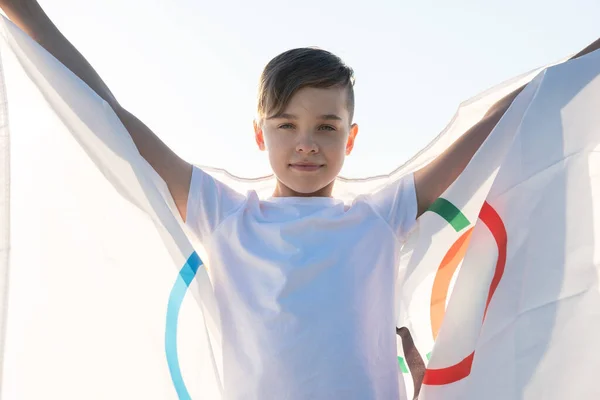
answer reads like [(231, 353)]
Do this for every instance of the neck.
[(282, 190)]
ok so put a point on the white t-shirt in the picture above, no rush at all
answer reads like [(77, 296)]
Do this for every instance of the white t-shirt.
[(305, 289)]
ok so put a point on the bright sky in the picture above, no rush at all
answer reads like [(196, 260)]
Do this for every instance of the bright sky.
[(190, 68)]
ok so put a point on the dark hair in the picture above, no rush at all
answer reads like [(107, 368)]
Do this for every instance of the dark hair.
[(298, 68)]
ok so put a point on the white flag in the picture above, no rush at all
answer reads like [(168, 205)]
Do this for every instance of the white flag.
[(104, 296), (96, 304), (518, 319)]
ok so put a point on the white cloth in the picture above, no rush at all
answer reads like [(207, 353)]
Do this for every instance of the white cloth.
[(305, 289), (103, 295)]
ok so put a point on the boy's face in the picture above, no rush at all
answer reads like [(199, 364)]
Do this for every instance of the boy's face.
[(308, 142)]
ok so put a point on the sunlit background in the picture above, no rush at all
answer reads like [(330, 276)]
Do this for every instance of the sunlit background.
[(190, 68)]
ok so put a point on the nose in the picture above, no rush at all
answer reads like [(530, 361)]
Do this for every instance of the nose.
[(306, 144)]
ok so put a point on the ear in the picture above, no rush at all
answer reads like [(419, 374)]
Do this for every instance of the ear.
[(258, 135), (351, 138)]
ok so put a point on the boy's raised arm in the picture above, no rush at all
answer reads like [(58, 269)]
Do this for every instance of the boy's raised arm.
[(29, 16), (432, 180)]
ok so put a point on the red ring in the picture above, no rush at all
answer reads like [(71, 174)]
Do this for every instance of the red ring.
[(461, 370)]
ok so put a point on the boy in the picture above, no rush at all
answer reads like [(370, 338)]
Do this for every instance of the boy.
[(304, 284)]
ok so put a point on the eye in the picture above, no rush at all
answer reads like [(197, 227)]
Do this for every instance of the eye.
[(286, 126), (327, 128)]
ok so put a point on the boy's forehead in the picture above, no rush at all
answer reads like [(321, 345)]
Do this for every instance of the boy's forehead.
[(328, 101)]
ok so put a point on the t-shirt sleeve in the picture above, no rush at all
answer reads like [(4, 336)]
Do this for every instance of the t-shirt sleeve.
[(396, 203), (209, 203)]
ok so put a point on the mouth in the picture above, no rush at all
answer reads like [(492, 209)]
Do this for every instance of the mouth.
[(306, 166)]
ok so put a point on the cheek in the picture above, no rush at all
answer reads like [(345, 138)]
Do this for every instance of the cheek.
[(274, 141), (277, 149), (334, 146)]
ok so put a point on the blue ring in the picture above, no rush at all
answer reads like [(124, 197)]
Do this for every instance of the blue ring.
[(185, 277)]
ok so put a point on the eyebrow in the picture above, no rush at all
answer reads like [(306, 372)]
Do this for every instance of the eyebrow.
[(326, 117)]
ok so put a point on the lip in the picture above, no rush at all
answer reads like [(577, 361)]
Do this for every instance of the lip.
[(306, 166)]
